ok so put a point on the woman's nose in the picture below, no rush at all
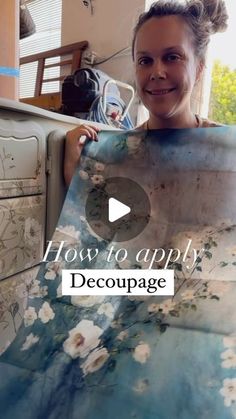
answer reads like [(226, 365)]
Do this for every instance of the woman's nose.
[(158, 70)]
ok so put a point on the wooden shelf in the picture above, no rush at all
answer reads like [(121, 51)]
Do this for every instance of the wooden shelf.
[(49, 101)]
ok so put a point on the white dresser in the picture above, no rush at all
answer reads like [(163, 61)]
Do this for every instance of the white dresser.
[(32, 191)]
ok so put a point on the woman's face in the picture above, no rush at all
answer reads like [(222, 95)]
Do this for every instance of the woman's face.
[(166, 68)]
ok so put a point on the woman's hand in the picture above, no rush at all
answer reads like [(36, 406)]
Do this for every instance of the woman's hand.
[(75, 140)]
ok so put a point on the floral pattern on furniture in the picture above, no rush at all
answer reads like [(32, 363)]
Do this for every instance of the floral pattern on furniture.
[(21, 233)]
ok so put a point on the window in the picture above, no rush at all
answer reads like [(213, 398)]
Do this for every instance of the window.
[(219, 102), (47, 18)]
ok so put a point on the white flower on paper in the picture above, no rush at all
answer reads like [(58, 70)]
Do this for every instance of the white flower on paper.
[(54, 269), (97, 179), (228, 391), (153, 308), (36, 291), (142, 352), (30, 316), (107, 309), (95, 360), (84, 175), (86, 300), (46, 313), (229, 341), (30, 341), (82, 339), (99, 167), (141, 386), (229, 357), (188, 295), (33, 231), (167, 306)]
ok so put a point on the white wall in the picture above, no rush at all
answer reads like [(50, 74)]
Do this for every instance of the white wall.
[(108, 30)]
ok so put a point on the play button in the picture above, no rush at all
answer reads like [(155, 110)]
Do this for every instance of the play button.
[(118, 209)]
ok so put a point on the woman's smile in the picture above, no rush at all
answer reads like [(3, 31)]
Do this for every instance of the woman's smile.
[(160, 92)]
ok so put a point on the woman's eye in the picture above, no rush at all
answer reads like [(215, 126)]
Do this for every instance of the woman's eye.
[(173, 57), (144, 60)]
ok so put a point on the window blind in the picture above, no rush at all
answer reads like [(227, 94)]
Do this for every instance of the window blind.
[(46, 15)]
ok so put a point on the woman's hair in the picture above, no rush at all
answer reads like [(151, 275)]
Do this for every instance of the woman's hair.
[(204, 17)]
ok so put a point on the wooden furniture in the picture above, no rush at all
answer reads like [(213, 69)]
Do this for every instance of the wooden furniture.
[(49, 101), (53, 100)]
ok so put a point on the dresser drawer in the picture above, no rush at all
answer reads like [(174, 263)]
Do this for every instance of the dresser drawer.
[(22, 158)]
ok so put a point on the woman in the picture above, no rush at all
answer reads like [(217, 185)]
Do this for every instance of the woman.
[(169, 48), (95, 358)]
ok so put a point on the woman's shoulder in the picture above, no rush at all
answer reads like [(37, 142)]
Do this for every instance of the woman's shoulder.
[(207, 123), (202, 123)]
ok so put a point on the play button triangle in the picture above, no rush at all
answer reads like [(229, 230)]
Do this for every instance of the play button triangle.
[(117, 210)]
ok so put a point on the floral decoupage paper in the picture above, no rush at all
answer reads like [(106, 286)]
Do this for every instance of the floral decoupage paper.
[(148, 357)]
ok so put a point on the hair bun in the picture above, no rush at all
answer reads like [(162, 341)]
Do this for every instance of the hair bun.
[(217, 14), (213, 11)]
